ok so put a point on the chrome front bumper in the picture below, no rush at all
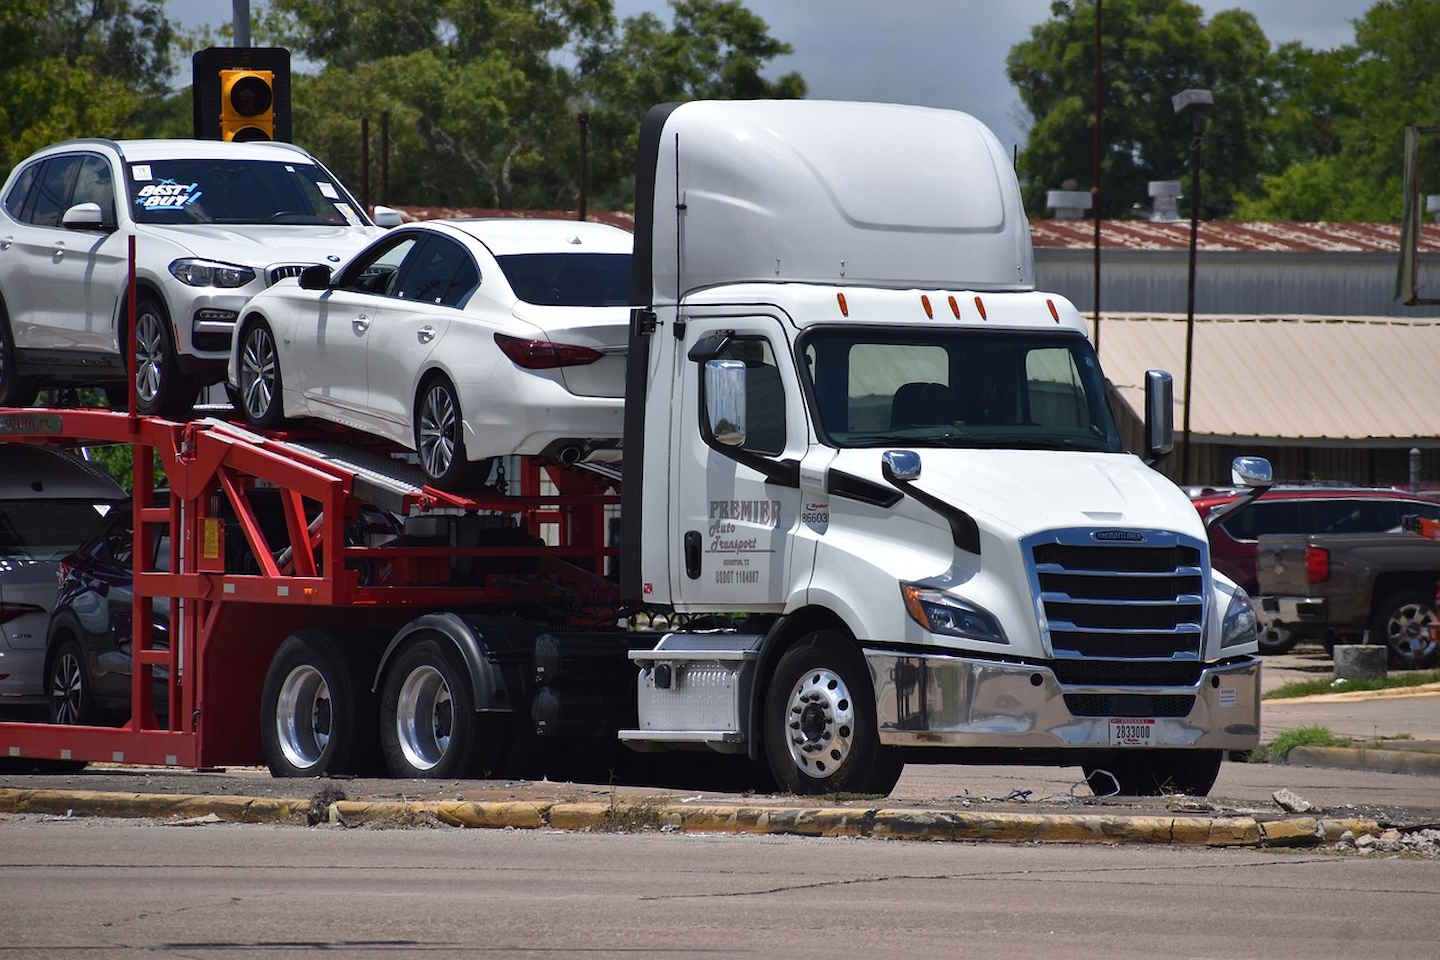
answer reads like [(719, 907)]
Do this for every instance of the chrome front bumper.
[(940, 700)]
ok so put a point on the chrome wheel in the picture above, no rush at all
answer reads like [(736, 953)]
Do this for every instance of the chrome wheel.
[(258, 365), (67, 688), (302, 716), (424, 717), (149, 356), (1408, 632), (820, 721), (439, 430)]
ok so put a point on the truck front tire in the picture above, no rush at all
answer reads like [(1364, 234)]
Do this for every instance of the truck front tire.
[(1150, 773), (310, 715), (820, 734)]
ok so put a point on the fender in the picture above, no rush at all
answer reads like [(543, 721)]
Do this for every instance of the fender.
[(486, 680)]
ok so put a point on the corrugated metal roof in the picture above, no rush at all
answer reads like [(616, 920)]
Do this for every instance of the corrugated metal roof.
[(1292, 378), (1277, 237)]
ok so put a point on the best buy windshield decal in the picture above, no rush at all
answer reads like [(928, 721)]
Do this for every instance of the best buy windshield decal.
[(167, 195)]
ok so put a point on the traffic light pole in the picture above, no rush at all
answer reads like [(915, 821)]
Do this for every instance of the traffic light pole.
[(241, 21)]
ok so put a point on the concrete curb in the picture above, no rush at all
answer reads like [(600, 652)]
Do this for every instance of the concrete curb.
[(1366, 758), (1358, 696), (878, 822)]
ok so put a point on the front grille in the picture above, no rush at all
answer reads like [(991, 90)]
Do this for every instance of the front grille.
[(1122, 600), (1129, 704), (286, 270), (1166, 673)]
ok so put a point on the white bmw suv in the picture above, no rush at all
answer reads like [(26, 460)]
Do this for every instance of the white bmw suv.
[(215, 223)]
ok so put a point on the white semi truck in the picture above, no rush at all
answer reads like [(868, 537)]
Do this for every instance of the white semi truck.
[(870, 477)]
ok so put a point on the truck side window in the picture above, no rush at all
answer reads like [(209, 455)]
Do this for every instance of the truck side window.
[(764, 395)]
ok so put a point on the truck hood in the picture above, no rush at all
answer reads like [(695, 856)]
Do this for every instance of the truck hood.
[(1019, 492), (260, 245)]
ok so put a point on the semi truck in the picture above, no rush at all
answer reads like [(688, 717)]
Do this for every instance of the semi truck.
[(870, 480)]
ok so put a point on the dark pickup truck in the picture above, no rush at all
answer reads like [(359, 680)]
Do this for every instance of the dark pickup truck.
[(1343, 584)]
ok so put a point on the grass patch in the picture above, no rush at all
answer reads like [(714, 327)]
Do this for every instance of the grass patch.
[(1305, 688), (1278, 749)]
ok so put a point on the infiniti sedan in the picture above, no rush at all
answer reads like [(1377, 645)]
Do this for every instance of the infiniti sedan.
[(462, 340)]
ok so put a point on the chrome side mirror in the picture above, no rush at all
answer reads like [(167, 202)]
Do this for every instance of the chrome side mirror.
[(1251, 472), (900, 465), (725, 401), (83, 216), (1159, 413), (387, 217)]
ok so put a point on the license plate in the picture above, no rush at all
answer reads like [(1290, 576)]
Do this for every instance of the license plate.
[(1132, 732)]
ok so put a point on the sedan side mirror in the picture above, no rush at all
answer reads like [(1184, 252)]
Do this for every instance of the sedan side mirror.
[(83, 216), (725, 401), (1159, 414), (315, 277), (388, 217)]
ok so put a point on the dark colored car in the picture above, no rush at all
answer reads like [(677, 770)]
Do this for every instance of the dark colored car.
[(1300, 510), (87, 663)]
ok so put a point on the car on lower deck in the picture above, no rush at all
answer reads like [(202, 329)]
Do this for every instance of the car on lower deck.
[(214, 223), (50, 502), (461, 340)]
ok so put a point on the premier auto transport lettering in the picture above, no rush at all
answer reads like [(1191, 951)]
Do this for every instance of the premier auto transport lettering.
[(725, 514)]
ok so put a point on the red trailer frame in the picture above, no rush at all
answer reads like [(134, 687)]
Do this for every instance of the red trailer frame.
[(229, 624)]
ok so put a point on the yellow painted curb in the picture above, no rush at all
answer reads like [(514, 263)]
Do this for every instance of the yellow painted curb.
[(1356, 696), (894, 824)]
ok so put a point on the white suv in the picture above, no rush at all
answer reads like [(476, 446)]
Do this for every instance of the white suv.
[(215, 223)]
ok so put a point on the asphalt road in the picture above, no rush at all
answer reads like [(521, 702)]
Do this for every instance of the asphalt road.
[(121, 888)]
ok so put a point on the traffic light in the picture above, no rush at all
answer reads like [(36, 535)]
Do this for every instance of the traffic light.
[(242, 93), (247, 105)]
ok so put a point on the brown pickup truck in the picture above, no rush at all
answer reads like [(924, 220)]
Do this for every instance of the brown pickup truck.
[(1347, 583)]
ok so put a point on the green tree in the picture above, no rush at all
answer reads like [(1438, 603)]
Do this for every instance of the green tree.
[(1152, 50), (1359, 98)]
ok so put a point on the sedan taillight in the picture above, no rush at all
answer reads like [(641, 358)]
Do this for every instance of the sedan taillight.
[(544, 355)]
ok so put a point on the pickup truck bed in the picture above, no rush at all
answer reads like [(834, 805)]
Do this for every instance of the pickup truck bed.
[(1348, 583)]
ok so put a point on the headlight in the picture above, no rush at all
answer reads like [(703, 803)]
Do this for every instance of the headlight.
[(1238, 627), (208, 273), (938, 612)]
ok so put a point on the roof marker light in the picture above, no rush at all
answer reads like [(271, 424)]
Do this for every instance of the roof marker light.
[(844, 307), (1055, 315), (925, 302), (980, 305), (954, 307)]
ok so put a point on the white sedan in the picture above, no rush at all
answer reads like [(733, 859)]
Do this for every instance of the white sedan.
[(459, 339)]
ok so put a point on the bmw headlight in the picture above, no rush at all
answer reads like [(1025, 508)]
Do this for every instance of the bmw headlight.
[(1238, 627), (208, 273), (939, 612)]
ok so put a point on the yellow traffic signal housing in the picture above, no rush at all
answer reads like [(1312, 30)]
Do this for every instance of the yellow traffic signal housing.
[(247, 105)]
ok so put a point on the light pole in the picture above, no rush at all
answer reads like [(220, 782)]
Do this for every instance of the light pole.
[(1198, 103)]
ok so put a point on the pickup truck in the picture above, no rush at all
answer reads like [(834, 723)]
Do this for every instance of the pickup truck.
[(1346, 583)]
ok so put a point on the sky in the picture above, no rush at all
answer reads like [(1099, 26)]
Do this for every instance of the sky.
[(936, 53)]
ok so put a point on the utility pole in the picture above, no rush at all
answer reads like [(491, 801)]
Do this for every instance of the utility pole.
[(365, 163), (385, 156), (1095, 166), (240, 11), (584, 120), (1198, 103)]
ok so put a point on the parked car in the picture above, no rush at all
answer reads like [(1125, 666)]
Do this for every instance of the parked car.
[(461, 340), (215, 223), (1299, 510), (49, 503), (1343, 584)]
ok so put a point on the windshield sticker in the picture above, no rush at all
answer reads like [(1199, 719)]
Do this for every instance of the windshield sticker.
[(348, 213), (140, 171), (168, 195), (327, 190)]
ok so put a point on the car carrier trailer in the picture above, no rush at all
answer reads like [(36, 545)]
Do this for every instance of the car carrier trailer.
[(869, 473)]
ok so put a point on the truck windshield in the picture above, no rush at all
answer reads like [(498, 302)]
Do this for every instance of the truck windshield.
[(920, 388), (237, 191)]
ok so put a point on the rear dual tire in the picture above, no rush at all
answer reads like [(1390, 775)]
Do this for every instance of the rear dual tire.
[(316, 716), (428, 725)]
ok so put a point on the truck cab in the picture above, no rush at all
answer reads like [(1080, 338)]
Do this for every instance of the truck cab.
[(849, 411)]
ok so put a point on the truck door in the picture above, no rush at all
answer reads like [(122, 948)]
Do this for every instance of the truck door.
[(735, 485)]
